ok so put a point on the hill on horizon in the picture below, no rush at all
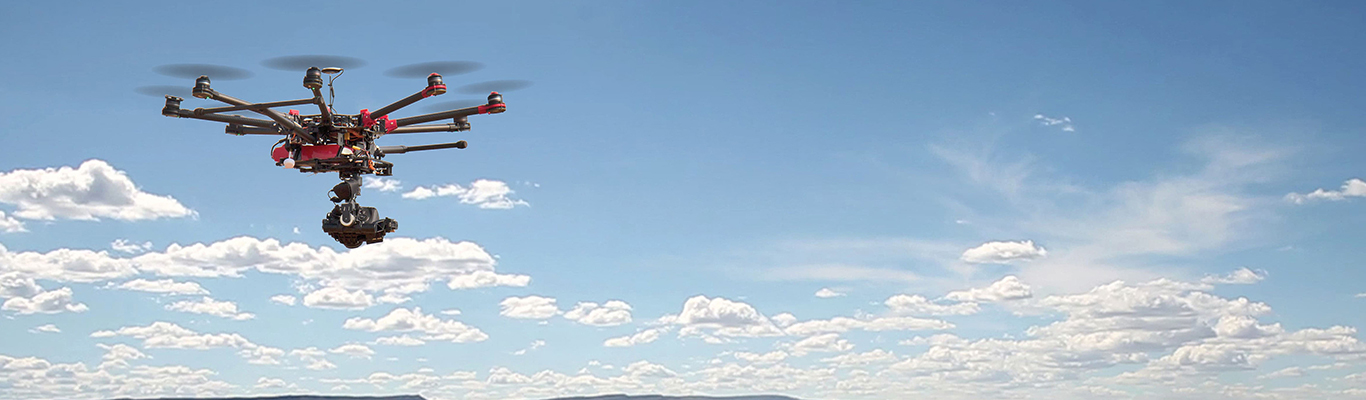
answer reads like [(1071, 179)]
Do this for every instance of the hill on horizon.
[(417, 397)]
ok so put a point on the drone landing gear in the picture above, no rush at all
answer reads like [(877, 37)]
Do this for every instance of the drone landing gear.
[(353, 225)]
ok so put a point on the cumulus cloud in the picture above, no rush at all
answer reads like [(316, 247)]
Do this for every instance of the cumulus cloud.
[(166, 286), (10, 225), (130, 247), (712, 317), (397, 265), (91, 191), (877, 324), (339, 299), (353, 350), (14, 285), (403, 340), (534, 345), (823, 343), (48, 328), (642, 337), (529, 307), (49, 302), (383, 184), (406, 320), (483, 279), (162, 334), (918, 305), (612, 313), (284, 299), (1241, 276), (826, 293), (484, 193), (206, 305), (1006, 289), (1352, 188), (1003, 252), (1064, 122)]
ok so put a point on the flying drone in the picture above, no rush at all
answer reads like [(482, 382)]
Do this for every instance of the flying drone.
[(328, 141)]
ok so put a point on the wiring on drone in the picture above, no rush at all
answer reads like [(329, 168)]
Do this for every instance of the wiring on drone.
[(331, 94)]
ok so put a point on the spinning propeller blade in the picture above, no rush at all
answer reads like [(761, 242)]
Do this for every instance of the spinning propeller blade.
[(304, 62), (162, 90), (494, 86), (192, 71), (445, 68)]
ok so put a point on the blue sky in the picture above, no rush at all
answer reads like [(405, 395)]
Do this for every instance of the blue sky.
[(821, 199)]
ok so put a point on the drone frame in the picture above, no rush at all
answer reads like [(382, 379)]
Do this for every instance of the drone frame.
[(326, 142)]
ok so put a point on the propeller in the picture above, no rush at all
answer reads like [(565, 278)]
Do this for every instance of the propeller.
[(192, 71), (454, 105), (304, 62), (162, 90), (445, 68), (494, 86)]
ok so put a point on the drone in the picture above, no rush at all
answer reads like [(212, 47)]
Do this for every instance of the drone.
[(328, 141)]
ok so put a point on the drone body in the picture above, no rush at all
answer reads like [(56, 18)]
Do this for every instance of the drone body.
[(332, 142)]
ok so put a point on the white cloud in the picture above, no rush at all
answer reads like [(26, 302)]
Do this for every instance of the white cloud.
[(270, 383), (284, 299), (871, 357), (91, 191), (845, 324), (403, 340), (771, 357), (353, 350), (1241, 276), (166, 286), (393, 298), (1003, 252), (129, 247), (339, 299), (206, 305), (783, 320), (824, 343), (534, 345), (118, 355), (405, 320), (10, 225), (709, 317), (49, 302), (918, 305), (1006, 289), (826, 293), (530, 307), (168, 335), (1352, 188), (383, 184), (452, 311), (49, 328), (642, 337), (612, 313), (14, 285), (484, 193), (482, 279), (1064, 122)]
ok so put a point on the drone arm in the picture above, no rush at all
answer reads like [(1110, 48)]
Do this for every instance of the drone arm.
[(322, 107), (435, 87), (253, 106), (463, 112), (454, 127), (404, 149), (231, 119), (274, 115)]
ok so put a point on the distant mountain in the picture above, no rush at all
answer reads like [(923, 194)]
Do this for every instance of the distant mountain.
[(299, 397), (659, 397), (415, 397)]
